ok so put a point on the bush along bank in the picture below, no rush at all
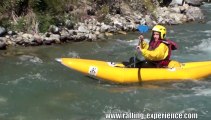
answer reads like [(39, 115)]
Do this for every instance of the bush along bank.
[(125, 17)]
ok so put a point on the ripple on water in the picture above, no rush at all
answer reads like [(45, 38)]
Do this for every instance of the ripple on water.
[(204, 46), (195, 88), (29, 58), (209, 22), (203, 92), (73, 54), (135, 42), (28, 77), (206, 31), (3, 100), (19, 117)]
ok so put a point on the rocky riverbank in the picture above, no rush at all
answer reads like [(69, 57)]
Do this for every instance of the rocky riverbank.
[(92, 30)]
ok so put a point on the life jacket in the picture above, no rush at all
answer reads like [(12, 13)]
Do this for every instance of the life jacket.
[(171, 45)]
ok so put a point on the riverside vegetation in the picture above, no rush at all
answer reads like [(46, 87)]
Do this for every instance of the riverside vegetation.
[(46, 22)]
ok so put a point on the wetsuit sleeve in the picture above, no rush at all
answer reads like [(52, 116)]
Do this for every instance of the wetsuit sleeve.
[(160, 53)]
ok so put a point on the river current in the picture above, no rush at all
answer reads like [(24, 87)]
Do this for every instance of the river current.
[(33, 86)]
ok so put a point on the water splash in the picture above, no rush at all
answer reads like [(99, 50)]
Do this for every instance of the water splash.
[(189, 110), (209, 22), (204, 46), (73, 54), (203, 92), (206, 31), (29, 58), (27, 77), (135, 42)]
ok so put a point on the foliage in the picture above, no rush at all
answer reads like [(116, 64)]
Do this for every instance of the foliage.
[(25, 15), (38, 15), (44, 22), (5, 23), (20, 26), (150, 7), (105, 9)]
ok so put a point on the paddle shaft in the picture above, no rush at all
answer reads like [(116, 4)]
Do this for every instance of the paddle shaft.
[(140, 43), (142, 29)]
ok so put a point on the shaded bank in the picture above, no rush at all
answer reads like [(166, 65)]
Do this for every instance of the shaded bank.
[(95, 20)]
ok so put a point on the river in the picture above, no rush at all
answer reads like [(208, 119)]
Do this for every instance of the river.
[(33, 86)]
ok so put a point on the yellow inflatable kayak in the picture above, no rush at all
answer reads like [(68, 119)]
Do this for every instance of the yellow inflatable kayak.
[(117, 72)]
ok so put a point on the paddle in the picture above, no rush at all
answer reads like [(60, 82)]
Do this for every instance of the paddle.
[(142, 29)]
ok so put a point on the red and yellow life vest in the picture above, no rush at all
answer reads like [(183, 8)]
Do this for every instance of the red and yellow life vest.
[(171, 45)]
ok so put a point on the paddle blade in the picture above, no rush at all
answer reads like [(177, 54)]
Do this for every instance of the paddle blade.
[(143, 28)]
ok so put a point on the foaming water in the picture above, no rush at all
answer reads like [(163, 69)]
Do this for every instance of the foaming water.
[(203, 92), (209, 22), (135, 42), (204, 45), (73, 54), (33, 86), (32, 59)]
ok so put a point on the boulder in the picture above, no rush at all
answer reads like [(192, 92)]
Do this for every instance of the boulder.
[(194, 2), (194, 14), (11, 33), (177, 2), (177, 18), (207, 1), (83, 29), (69, 24), (3, 31), (54, 29), (3, 45)]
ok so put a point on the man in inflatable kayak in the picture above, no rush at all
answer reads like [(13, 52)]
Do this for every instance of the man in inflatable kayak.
[(157, 53)]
